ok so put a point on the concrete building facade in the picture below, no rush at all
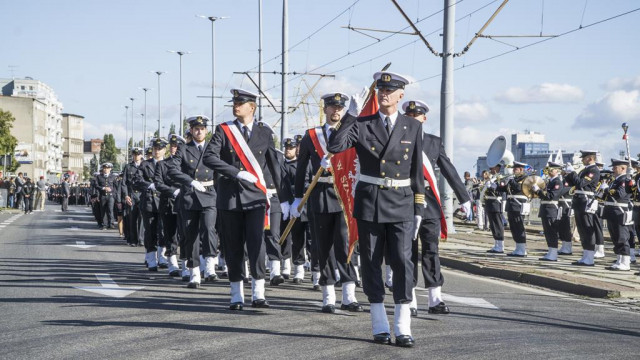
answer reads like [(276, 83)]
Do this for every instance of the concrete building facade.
[(73, 145)]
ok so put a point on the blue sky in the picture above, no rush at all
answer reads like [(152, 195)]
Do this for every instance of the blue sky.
[(577, 89)]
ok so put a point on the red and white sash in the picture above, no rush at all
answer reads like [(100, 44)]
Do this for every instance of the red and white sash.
[(248, 160), (318, 140), (430, 176)]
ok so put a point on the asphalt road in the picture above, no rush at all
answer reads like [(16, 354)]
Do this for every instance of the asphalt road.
[(46, 314)]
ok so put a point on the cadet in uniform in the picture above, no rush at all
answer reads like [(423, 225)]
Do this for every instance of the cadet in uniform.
[(605, 176), (493, 201), (389, 148), (636, 201), (432, 216), (328, 221), (250, 162), (550, 212), (617, 212), (134, 228), (584, 204), (105, 186), (169, 191), (198, 201), (150, 205), (564, 224), (66, 191), (517, 205)]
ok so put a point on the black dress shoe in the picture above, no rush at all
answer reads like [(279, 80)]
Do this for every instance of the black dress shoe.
[(163, 266), (277, 280), (492, 251), (545, 259), (516, 255), (154, 268), (353, 307), (286, 276), (389, 287), (382, 338), (329, 309), (237, 306), (186, 278), (298, 281), (414, 312), (174, 273), (211, 278), (316, 287), (358, 283), (260, 303), (580, 263), (439, 309), (224, 275), (564, 253), (404, 341), (193, 285)]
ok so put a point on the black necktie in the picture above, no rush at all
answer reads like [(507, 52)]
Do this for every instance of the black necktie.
[(245, 133), (200, 148), (387, 120)]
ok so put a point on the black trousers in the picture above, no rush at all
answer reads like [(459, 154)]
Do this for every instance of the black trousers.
[(392, 242), (599, 233), (312, 248), (619, 234), (151, 221), (330, 230), (516, 225), (564, 225), (550, 227), (298, 237), (429, 235), (272, 237), (95, 209), (587, 229), (496, 225), (199, 234), (136, 227), (19, 200), (65, 203), (242, 228), (28, 204), (106, 209), (170, 235)]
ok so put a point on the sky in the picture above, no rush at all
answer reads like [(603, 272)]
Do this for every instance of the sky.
[(577, 88)]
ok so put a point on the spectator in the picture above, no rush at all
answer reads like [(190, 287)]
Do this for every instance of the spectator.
[(12, 193), (468, 183), (41, 188), (19, 195), (28, 190)]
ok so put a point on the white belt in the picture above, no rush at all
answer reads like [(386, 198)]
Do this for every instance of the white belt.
[(612, 203), (206, 183), (493, 198), (568, 201), (521, 197), (636, 203), (387, 182), (326, 179), (544, 202), (271, 192), (580, 192)]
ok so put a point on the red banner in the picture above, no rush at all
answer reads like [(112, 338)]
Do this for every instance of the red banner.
[(345, 166)]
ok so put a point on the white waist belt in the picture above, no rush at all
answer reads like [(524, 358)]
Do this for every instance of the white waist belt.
[(612, 203), (493, 198), (580, 192), (326, 179), (521, 197), (544, 202), (636, 203), (207, 183), (387, 182), (271, 192), (566, 200)]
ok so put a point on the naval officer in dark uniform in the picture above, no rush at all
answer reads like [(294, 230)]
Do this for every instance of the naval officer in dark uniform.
[(430, 227), (584, 204), (328, 221), (105, 184), (388, 202), (247, 149), (198, 201), (517, 207), (550, 209), (134, 228), (618, 208)]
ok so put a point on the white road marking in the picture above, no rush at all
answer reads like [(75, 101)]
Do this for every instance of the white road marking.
[(109, 287), (81, 245)]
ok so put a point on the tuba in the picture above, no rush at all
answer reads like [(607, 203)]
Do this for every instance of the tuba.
[(498, 154)]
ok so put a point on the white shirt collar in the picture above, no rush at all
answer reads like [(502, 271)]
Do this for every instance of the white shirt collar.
[(393, 117), (200, 144), (249, 125)]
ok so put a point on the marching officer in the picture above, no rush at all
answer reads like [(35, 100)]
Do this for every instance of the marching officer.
[(134, 228), (278, 255), (433, 222), (517, 207), (636, 200), (169, 191), (584, 204), (493, 201), (565, 231), (150, 205), (95, 201), (617, 212), (605, 176), (550, 211), (328, 221), (105, 184), (197, 201), (250, 176), (389, 148)]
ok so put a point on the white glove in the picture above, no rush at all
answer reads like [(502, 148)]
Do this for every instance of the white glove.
[(175, 193), (247, 176), (325, 163), (466, 207), (417, 219), (535, 187), (604, 186), (293, 209), (357, 102), (286, 208), (198, 186), (568, 168), (152, 186)]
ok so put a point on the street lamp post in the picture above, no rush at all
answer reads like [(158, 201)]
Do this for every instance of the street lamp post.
[(181, 117), (144, 121), (132, 121), (159, 73), (213, 64), (126, 134)]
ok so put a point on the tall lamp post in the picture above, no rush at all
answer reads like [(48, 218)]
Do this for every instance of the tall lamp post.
[(159, 73), (126, 134), (144, 120), (213, 65), (132, 121), (181, 117)]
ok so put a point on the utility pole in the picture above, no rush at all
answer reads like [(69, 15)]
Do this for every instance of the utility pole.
[(126, 133), (144, 122), (159, 73), (285, 66), (447, 104), (259, 60), (132, 121)]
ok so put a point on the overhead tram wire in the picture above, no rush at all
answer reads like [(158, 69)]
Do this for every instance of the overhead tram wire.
[(581, 27)]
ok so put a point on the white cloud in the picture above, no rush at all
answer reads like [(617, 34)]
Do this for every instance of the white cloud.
[(476, 113), (610, 111), (543, 93), (623, 84)]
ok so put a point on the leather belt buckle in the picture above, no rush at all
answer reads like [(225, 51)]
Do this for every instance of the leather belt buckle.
[(388, 182)]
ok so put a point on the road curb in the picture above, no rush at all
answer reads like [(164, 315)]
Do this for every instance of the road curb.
[(528, 278)]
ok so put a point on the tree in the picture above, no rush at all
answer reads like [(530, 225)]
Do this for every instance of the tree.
[(8, 142), (172, 129), (86, 172), (108, 151), (156, 134), (93, 164)]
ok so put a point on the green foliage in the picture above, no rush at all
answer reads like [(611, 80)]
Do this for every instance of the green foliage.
[(172, 129), (86, 172), (93, 164), (8, 142), (108, 151)]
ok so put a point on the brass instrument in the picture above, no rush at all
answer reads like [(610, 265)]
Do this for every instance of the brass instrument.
[(527, 185)]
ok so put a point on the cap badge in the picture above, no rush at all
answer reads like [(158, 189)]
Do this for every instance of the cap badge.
[(385, 77)]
